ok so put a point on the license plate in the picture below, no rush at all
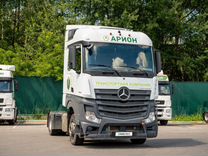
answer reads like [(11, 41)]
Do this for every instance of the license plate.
[(123, 134)]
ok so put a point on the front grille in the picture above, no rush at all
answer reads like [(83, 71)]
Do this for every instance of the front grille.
[(112, 128), (1, 100), (160, 102), (159, 109), (110, 105)]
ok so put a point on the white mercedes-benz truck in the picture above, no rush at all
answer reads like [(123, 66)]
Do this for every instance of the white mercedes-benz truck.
[(164, 106), (109, 85), (8, 109)]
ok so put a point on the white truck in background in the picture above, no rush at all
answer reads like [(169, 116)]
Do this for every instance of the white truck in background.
[(164, 109), (109, 85), (8, 109)]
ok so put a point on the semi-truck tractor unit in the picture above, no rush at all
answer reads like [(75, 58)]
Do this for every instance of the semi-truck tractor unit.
[(109, 85), (164, 109), (8, 109)]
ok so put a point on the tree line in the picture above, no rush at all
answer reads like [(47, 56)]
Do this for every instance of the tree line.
[(32, 32)]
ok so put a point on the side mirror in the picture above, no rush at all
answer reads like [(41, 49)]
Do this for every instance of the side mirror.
[(172, 88), (16, 85), (158, 61)]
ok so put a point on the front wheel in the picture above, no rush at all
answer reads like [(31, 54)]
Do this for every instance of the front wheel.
[(11, 122), (73, 132), (163, 122), (138, 141), (205, 116)]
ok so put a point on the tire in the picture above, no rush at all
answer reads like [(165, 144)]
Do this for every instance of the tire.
[(16, 115), (205, 116), (138, 141), (11, 122), (163, 122), (73, 131), (50, 130)]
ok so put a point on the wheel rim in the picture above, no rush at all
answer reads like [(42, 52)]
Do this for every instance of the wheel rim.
[(50, 125), (72, 129), (206, 116)]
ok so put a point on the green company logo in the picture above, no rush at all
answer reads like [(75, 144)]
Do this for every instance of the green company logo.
[(120, 39), (105, 38), (124, 39)]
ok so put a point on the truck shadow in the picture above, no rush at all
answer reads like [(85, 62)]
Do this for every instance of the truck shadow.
[(182, 124), (155, 143)]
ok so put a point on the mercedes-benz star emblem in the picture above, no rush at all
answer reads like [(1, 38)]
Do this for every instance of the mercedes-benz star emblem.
[(124, 93)]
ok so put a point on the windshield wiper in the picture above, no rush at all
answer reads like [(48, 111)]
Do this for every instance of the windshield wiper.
[(132, 67), (164, 93), (136, 70), (109, 67), (2, 91), (141, 72)]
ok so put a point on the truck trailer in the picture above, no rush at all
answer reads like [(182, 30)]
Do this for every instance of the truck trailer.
[(8, 108), (109, 85), (164, 104)]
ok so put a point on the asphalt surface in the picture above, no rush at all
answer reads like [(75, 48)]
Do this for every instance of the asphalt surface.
[(34, 140)]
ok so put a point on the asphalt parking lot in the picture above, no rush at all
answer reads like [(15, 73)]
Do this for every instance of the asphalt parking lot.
[(33, 140)]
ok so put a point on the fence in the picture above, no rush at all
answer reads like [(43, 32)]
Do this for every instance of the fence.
[(189, 98), (39, 95)]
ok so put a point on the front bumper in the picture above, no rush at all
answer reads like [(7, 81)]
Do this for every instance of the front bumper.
[(164, 113), (107, 126), (7, 115), (107, 130)]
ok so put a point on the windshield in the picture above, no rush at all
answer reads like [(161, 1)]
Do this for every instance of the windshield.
[(5, 86), (164, 89), (118, 57)]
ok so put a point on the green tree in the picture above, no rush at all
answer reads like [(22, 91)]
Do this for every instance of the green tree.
[(32, 32), (38, 44)]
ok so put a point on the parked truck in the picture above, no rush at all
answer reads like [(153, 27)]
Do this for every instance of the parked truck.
[(109, 85), (164, 109), (8, 108)]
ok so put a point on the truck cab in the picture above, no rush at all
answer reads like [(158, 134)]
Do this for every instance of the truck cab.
[(164, 105), (109, 85), (8, 109)]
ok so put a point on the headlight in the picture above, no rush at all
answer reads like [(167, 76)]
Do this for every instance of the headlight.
[(90, 116), (151, 118), (168, 111), (8, 101), (8, 109)]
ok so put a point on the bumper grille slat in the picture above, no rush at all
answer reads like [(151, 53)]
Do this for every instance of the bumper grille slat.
[(160, 102), (120, 104), (123, 116), (121, 110)]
